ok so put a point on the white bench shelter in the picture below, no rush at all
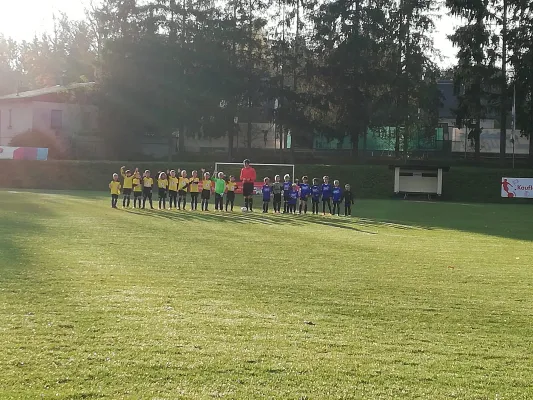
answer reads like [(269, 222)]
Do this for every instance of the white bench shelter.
[(418, 179)]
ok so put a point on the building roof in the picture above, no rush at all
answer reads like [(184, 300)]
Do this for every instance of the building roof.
[(45, 91)]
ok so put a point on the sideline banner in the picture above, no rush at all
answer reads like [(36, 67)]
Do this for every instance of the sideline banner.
[(23, 153), (517, 187)]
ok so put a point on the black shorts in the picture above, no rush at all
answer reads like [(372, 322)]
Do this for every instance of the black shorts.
[(304, 198), (277, 197), (194, 195), (286, 196), (126, 192), (162, 192), (137, 193), (230, 196), (315, 200), (182, 193), (206, 194), (247, 189), (172, 193), (147, 191)]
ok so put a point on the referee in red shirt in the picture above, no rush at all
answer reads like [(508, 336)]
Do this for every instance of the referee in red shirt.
[(248, 177)]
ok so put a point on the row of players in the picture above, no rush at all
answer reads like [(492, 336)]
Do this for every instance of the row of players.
[(176, 187)]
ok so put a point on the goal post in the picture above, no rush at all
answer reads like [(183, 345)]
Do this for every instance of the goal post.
[(259, 177)]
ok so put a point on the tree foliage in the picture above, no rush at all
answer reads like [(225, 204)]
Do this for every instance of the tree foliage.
[(339, 68)]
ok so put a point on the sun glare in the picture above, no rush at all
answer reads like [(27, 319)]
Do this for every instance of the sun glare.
[(23, 19)]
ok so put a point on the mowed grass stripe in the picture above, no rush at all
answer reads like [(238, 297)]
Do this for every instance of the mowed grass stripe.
[(187, 314)]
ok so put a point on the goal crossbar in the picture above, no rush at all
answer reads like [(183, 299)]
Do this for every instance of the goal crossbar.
[(253, 165)]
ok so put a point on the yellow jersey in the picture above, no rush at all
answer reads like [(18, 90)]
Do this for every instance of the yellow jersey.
[(128, 180), (162, 183), (137, 187), (207, 184), (193, 185), (183, 183), (231, 186), (148, 182), (115, 187), (173, 183)]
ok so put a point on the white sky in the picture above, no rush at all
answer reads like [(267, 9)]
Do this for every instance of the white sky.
[(22, 19)]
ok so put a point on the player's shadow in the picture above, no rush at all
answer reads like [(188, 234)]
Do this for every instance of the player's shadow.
[(361, 225)]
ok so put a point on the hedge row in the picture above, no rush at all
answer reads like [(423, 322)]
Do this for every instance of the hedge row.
[(467, 184)]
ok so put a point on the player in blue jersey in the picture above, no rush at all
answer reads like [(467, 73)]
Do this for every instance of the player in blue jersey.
[(293, 198), (267, 192), (315, 195), (336, 194), (287, 187), (325, 189), (305, 192)]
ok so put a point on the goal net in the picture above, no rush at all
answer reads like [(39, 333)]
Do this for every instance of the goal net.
[(262, 170)]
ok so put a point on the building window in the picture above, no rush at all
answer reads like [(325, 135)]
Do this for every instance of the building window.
[(86, 121), (56, 119)]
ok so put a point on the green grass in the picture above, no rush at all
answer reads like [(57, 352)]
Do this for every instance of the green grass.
[(406, 300)]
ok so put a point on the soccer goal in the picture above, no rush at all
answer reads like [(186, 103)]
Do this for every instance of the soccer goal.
[(262, 170)]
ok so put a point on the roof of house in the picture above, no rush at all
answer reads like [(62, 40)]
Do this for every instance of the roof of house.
[(48, 90)]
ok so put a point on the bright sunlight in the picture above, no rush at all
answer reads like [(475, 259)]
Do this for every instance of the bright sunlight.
[(23, 19)]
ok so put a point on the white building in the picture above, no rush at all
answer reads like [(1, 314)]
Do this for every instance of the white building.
[(62, 112)]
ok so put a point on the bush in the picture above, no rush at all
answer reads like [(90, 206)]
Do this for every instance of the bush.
[(40, 140)]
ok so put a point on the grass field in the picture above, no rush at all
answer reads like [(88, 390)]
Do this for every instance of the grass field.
[(405, 300)]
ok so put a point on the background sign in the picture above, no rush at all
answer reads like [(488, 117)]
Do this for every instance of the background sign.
[(517, 187), (23, 153)]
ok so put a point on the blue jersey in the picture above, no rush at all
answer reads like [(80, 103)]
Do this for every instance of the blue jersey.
[(267, 190), (337, 194), (287, 187), (315, 192), (326, 191), (293, 196), (305, 190)]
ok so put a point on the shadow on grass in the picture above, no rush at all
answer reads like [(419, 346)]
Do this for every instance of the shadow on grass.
[(266, 219), (510, 221), (18, 213)]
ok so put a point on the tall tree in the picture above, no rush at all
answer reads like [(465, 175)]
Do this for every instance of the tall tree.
[(521, 48), (475, 73)]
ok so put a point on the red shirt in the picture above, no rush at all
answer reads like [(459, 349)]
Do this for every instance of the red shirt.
[(248, 174)]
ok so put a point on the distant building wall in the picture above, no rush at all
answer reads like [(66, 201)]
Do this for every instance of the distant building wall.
[(489, 142), (15, 118)]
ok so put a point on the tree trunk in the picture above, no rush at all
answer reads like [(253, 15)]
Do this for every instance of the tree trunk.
[(530, 118), (397, 143), (231, 133), (249, 125), (171, 146), (477, 141), (503, 118), (406, 142)]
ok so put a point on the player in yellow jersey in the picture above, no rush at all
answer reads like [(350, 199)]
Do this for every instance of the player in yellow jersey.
[(207, 184), (173, 181), (194, 182), (148, 182), (162, 185), (137, 188), (114, 186), (127, 186), (182, 189), (231, 187)]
